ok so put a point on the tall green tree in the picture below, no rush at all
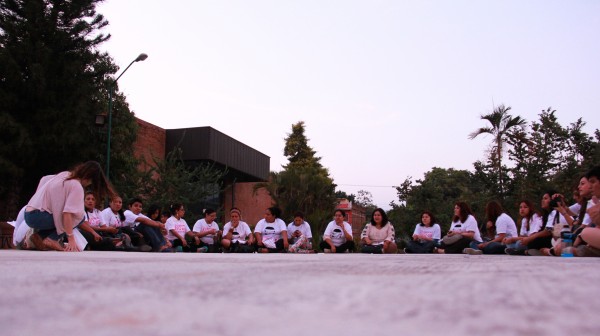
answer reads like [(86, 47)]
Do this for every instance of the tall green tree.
[(53, 81), (304, 184), (501, 122)]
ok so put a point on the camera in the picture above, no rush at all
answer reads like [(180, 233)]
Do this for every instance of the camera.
[(554, 202)]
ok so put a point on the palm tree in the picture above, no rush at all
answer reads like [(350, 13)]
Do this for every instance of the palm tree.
[(501, 123)]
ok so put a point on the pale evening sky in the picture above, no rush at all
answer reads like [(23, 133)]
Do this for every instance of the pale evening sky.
[(387, 89)]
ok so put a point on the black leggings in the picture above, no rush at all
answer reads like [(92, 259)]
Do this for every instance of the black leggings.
[(347, 246), (458, 247)]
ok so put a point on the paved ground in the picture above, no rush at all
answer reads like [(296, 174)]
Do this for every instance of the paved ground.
[(108, 293)]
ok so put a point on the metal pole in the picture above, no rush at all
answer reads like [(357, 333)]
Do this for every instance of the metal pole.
[(111, 88)]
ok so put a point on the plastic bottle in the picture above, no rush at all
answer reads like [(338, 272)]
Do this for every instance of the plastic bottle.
[(567, 245)]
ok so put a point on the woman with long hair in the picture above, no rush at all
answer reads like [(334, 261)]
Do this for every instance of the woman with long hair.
[(379, 236), (426, 235), (500, 226), (531, 223), (463, 230), (207, 230), (57, 206)]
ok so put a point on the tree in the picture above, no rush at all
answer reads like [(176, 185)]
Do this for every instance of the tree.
[(171, 181), (297, 150), (304, 184), (437, 192), (500, 124), (53, 81)]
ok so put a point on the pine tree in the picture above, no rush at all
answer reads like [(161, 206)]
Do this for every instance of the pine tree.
[(53, 81)]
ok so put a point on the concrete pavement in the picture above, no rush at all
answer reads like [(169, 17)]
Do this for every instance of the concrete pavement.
[(108, 293)]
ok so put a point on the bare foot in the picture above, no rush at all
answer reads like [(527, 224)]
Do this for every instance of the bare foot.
[(52, 245), (38, 243)]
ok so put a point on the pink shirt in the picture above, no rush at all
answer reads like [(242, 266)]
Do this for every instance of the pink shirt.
[(57, 195)]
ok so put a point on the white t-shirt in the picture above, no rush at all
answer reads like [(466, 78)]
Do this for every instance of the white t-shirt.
[(552, 220), (432, 232), (535, 225), (57, 195), (202, 226), (179, 225), (110, 218), (469, 225), (304, 229), (94, 218), (336, 234), (270, 231), (506, 225), (130, 218), (240, 233)]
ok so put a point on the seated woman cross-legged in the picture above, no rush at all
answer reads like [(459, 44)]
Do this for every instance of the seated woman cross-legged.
[(379, 235), (463, 231), (178, 231), (237, 236), (338, 235), (531, 224), (499, 226), (271, 232), (299, 235), (426, 235)]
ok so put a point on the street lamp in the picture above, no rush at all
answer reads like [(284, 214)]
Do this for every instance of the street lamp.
[(141, 57)]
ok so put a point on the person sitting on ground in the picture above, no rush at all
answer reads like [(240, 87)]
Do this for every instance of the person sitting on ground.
[(271, 232), (531, 224), (179, 233), (237, 236), (426, 235), (378, 236), (299, 235), (338, 235), (587, 244), (463, 231), (57, 206), (542, 242), (98, 236), (136, 222), (503, 227), (207, 229)]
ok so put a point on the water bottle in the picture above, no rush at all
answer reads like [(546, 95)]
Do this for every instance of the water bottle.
[(567, 245)]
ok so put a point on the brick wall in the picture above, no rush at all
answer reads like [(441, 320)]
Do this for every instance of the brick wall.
[(150, 141), (252, 205)]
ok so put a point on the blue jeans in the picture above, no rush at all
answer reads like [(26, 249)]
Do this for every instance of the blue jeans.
[(43, 223), (153, 234)]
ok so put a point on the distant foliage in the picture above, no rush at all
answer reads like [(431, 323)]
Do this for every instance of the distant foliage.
[(542, 155)]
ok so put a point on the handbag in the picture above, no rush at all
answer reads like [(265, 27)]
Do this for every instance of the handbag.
[(449, 240)]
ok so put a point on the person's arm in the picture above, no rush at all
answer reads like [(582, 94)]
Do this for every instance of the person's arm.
[(284, 235), (176, 234), (149, 222), (229, 233), (68, 226), (85, 226), (364, 235), (258, 237), (331, 246), (346, 234), (540, 234)]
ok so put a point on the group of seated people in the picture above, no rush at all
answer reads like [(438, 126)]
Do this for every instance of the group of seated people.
[(553, 230)]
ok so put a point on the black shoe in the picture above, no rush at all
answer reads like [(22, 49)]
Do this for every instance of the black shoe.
[(514, 251)]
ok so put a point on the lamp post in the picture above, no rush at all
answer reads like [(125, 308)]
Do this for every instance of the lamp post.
[(111, 87)]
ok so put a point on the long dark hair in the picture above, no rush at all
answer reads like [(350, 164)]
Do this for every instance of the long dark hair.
[(465, 211), (546, 212), (92, 171), (532, 211), (384, 217), (152, 209)]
